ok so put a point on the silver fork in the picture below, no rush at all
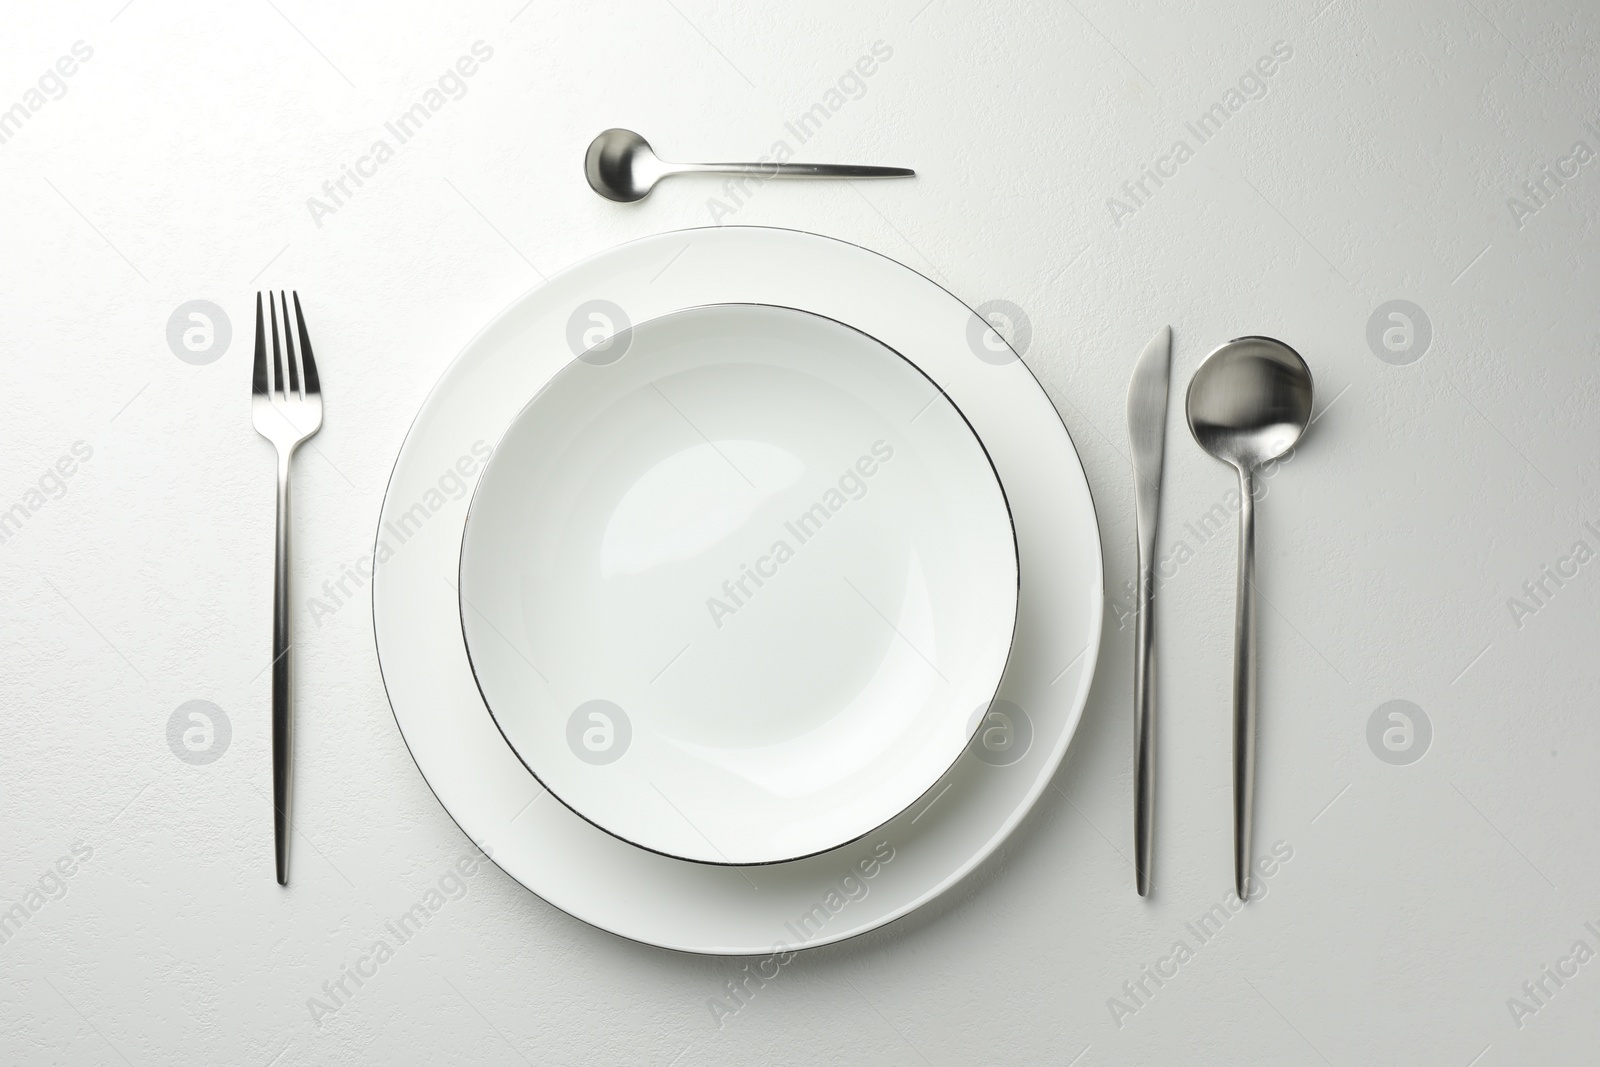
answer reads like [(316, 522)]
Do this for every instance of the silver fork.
[(286, 407)]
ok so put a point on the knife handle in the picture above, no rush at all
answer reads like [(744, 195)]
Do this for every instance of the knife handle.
[(1144, 778)]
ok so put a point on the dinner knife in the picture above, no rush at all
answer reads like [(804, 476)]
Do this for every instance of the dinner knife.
[(1147, 433)]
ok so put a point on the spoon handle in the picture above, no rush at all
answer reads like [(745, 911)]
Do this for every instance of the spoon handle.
[(798, 170), (1244, 687)]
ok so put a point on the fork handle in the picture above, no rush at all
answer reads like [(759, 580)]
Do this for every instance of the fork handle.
[(282, 680)]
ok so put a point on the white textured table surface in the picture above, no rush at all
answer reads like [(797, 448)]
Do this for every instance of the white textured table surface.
[(1444, 154)]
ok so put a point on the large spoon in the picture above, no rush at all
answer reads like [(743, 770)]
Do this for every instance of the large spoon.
[(620, 165), (1248, 404)]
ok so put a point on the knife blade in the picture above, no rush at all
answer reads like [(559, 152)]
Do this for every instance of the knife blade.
[(1147, 434)]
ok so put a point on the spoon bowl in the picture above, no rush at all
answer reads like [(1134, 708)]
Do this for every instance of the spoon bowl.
[(1250, 401), (621, 166), (1248, 404)]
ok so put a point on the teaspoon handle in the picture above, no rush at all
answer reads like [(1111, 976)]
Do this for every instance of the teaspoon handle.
[(1244, 687), (798, 170)]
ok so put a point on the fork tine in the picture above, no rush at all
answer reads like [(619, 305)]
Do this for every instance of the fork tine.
[(308, 362), (277, 355), (258, 378), (288, 348)]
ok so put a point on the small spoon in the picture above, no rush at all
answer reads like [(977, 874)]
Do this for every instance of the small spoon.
[(621, 166), (1248, 403)]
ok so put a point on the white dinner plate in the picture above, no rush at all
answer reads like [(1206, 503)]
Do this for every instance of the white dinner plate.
[(737, 594), (678, 903)]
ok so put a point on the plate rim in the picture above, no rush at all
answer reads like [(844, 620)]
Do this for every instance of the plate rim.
[(1094, 637)]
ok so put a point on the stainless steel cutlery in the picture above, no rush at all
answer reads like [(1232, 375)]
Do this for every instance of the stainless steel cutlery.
[(1248, 404), (1147, 434), (286, 407), (620, 165)]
